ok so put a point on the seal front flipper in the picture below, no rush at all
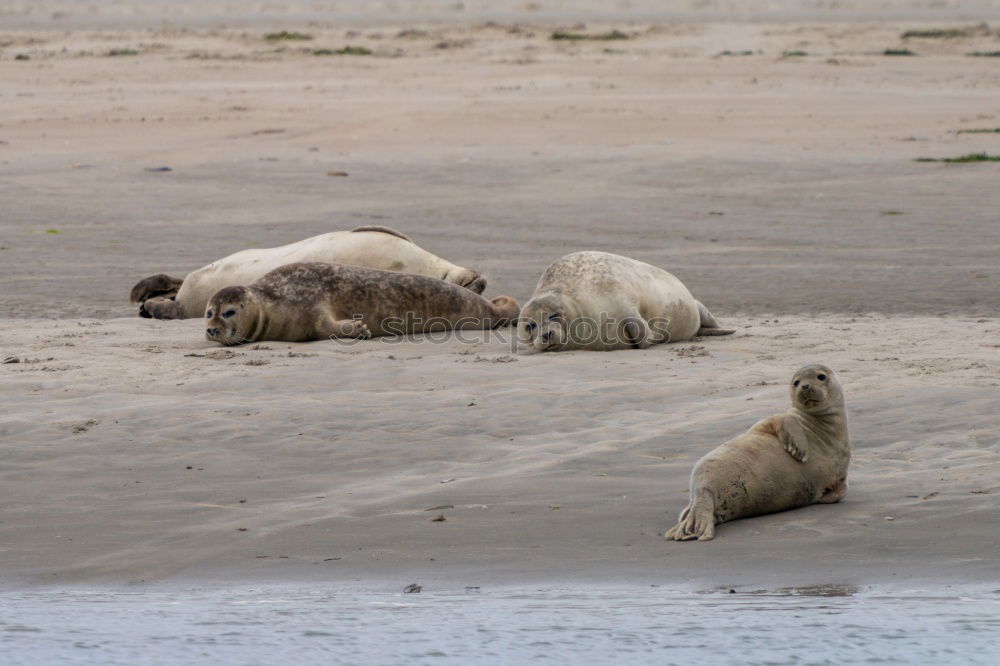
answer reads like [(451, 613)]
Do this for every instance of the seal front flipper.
[(328, 327), (709, 325), (793, 437), (161, 308), (153, 286), (636, 332)]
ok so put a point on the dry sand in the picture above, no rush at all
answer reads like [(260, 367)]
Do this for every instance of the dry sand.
[(782, 190)]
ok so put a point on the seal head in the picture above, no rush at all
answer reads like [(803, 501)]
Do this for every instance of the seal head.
[(231, 316), (542, 325), (816, 391)]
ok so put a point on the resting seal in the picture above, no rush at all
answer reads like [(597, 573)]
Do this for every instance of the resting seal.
[(311, 301), (165, 297), (783, 462), (601, 301)]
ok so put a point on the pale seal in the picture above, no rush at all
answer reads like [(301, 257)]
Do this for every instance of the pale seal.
[(783, 462), (312, 301), (165, 297), (601, 301)]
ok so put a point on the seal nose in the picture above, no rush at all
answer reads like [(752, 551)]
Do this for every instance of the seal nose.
[(546, 336), (212, 332), (805, 387)]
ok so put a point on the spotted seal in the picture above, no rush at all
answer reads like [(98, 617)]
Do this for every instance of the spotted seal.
[(311, 301)]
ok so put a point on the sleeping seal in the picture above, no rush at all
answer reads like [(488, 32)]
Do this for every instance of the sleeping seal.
[(165, 297), (312, 301), (601, 301)]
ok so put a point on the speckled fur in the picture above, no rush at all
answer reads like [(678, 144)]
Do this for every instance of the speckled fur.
[(783, 462), (300, 301)]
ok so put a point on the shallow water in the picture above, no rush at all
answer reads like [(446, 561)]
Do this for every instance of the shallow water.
[(266, 625)]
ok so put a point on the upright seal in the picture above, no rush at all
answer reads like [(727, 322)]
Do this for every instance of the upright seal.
[(165, 297), (783, 462), (601, 301), (311, 301)]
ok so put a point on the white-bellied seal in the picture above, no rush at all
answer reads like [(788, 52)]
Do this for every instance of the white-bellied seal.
[(165, 297), (312, 301), (601, 301), (783, 462)]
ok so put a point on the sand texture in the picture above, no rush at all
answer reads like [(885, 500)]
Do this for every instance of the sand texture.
[(782, 189)]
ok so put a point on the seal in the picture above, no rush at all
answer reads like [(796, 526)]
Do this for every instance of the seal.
[(311, 301), (783, 462), (601, 301), (165, 297)]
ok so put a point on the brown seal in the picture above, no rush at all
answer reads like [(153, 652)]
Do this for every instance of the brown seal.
[(783, 462), (165, 297), (311, 301)]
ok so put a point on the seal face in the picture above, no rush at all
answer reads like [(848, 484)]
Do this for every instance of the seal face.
[(783, 462), (164, 297), (601, 301), (311, 301)]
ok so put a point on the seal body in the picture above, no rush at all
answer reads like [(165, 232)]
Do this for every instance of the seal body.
[(164, 297), (311, 301), (602, 301), (783, 462)]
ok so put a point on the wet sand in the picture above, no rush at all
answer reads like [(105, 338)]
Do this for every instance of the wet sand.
[(781, 189)]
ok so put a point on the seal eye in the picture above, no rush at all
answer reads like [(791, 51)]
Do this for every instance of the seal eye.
[(228, 313), (531, 326), (795, 383), (555, 316), (821, 377), (208, 315)]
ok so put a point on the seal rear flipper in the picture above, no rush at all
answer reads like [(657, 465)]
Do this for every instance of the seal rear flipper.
[(835, 493), (383, 230), (697, 521), (709, 325), (506, 311), (153, 286)]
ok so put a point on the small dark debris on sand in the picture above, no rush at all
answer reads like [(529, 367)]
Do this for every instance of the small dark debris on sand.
[(412, 588), (692, 351), (216, 355), (346, 50), (961, 159), (285, 35), (613, 35), (84, 427)]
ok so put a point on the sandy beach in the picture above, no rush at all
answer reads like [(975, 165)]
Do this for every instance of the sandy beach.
[(766, 158)]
